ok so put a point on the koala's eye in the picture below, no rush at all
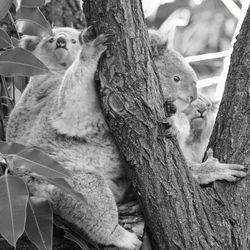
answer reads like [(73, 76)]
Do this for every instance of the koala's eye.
[(51, 40), (73, 40), (177, 78)]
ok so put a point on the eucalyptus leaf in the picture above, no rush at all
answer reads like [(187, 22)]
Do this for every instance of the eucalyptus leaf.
[(38, 162), (4, 7), (13, 202), (20, 62), (28, 17), (11, 147), (32, 4), (5, 41), (80, 242), (39, 223)]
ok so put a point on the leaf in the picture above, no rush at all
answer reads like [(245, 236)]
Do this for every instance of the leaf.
[(20, 82), (40, 163), (5, 41), (75, 238), (31, 21), (39, 222), (32, 4), (20, 62), (4, 7), (11, 147), (64, 185), (13, 202)]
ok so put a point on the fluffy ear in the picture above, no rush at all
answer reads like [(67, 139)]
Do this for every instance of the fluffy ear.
[(85, 35), (158, 46), (29, 42)]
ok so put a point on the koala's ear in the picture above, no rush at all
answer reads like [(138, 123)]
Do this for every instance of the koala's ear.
[(85, 35), (29, 42), (158, 46)]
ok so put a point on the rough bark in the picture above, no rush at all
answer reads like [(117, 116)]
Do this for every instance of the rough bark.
[(179, 214)]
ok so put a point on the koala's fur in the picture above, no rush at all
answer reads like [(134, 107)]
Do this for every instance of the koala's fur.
[(201, 116), (60, 113)]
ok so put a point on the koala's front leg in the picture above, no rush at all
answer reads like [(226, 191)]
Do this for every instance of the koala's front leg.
[(97, 216), (77, 109), (212, 170)]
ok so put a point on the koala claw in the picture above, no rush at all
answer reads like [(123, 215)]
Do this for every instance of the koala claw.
[(100, 39), (212, 170), (127, 241)]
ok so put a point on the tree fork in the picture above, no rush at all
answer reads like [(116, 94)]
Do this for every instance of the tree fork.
[(179, 214)]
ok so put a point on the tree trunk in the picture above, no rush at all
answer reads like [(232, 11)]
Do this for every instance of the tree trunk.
[(179, 214)]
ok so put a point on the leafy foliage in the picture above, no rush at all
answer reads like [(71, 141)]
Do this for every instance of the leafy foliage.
[(16, 62), (19, 211)]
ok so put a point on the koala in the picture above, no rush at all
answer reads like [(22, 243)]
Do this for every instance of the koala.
[(60, 113), (192, 116), (200, 116)]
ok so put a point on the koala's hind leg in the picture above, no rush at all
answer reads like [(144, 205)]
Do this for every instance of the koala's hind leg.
[(98, 216), (212, 170)]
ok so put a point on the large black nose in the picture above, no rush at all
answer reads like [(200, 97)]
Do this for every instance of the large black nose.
[(61, 42)]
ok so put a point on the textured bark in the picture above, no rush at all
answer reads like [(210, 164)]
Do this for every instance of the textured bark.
[(179, 214)]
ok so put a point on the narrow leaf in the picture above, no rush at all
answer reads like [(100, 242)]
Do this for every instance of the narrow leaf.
[(29, 27), (20, 62), (13, 203), (4, 7), (5, 41), (26, 17), (20, 82), (11, 147), (40, 163), (80, 242), (64, 185), (32, 4), (39, 223)]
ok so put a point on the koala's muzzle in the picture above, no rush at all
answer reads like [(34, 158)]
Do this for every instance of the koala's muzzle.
[(61, 42)]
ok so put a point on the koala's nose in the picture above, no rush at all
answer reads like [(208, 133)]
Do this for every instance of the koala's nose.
[(193, 91), (202, 112), (61, 42)]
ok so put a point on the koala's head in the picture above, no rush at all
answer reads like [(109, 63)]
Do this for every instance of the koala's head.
[(201, 114), (177, 78), (57, 51)]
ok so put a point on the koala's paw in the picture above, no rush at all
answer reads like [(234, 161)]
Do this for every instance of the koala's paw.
[(212, 170), (98, 43), (93, 50), (127, 240)]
